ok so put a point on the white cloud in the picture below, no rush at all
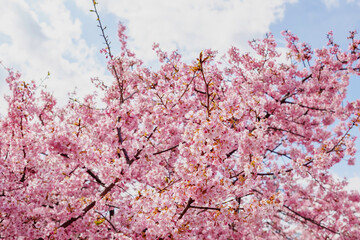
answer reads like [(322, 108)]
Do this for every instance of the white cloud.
[(191, 26), (44, 36), (336, 3), (354, 183), (331, 3)]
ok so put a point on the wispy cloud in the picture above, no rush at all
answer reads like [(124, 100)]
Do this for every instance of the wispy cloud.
[(331, 3), (336, 3), (44, 36), (354, 183), (191, 26)]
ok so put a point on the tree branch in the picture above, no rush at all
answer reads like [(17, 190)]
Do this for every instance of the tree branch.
[(97, 179), (310, 220), (186, 208), (111, 224), (128, 161), (166, 150), (206, 208), (71, 220), (89, 207), (120, 84), (231, 153), (346, 133)]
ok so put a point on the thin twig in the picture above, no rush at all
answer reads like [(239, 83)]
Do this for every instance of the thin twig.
[(120, 84), (206, 208), (310, 220), (89, 207), (111, 224), (166, 150)]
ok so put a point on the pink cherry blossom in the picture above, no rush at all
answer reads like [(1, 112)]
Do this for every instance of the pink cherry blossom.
[(205, 150)]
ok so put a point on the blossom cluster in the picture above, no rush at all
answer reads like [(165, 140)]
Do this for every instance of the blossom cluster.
[(238, 149)]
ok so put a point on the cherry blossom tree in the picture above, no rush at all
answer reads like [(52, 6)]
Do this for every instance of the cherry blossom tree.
[(236, 149)]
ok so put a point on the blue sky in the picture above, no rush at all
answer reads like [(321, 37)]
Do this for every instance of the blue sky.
[(311, 20), (60, 36)]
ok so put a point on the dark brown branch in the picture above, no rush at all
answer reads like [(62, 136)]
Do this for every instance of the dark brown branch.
[(90, 206), (64, 155), (131, 95), (111, 224), (271, 174), (23, 175), (306, 78), (172, 183), (97, 179), (188, 205), (257, 191), (73, 219), (108, 189), (310, 220), (136, 156), (113, 206), (85, 105), (161, 99), (69, 222), (355, 69), (206, 208), (72, 171), (166, 150), (277, 230), (206, 87), (231, 153), (288, 131), (236, 175), (278, 153), (107, 42), (128, 161), (138, 153), (118, 129), (342, 138), (307, 163), (186, 89), (287, 170), (311, 108), (41, 120), (199, 91), (148, 137)]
